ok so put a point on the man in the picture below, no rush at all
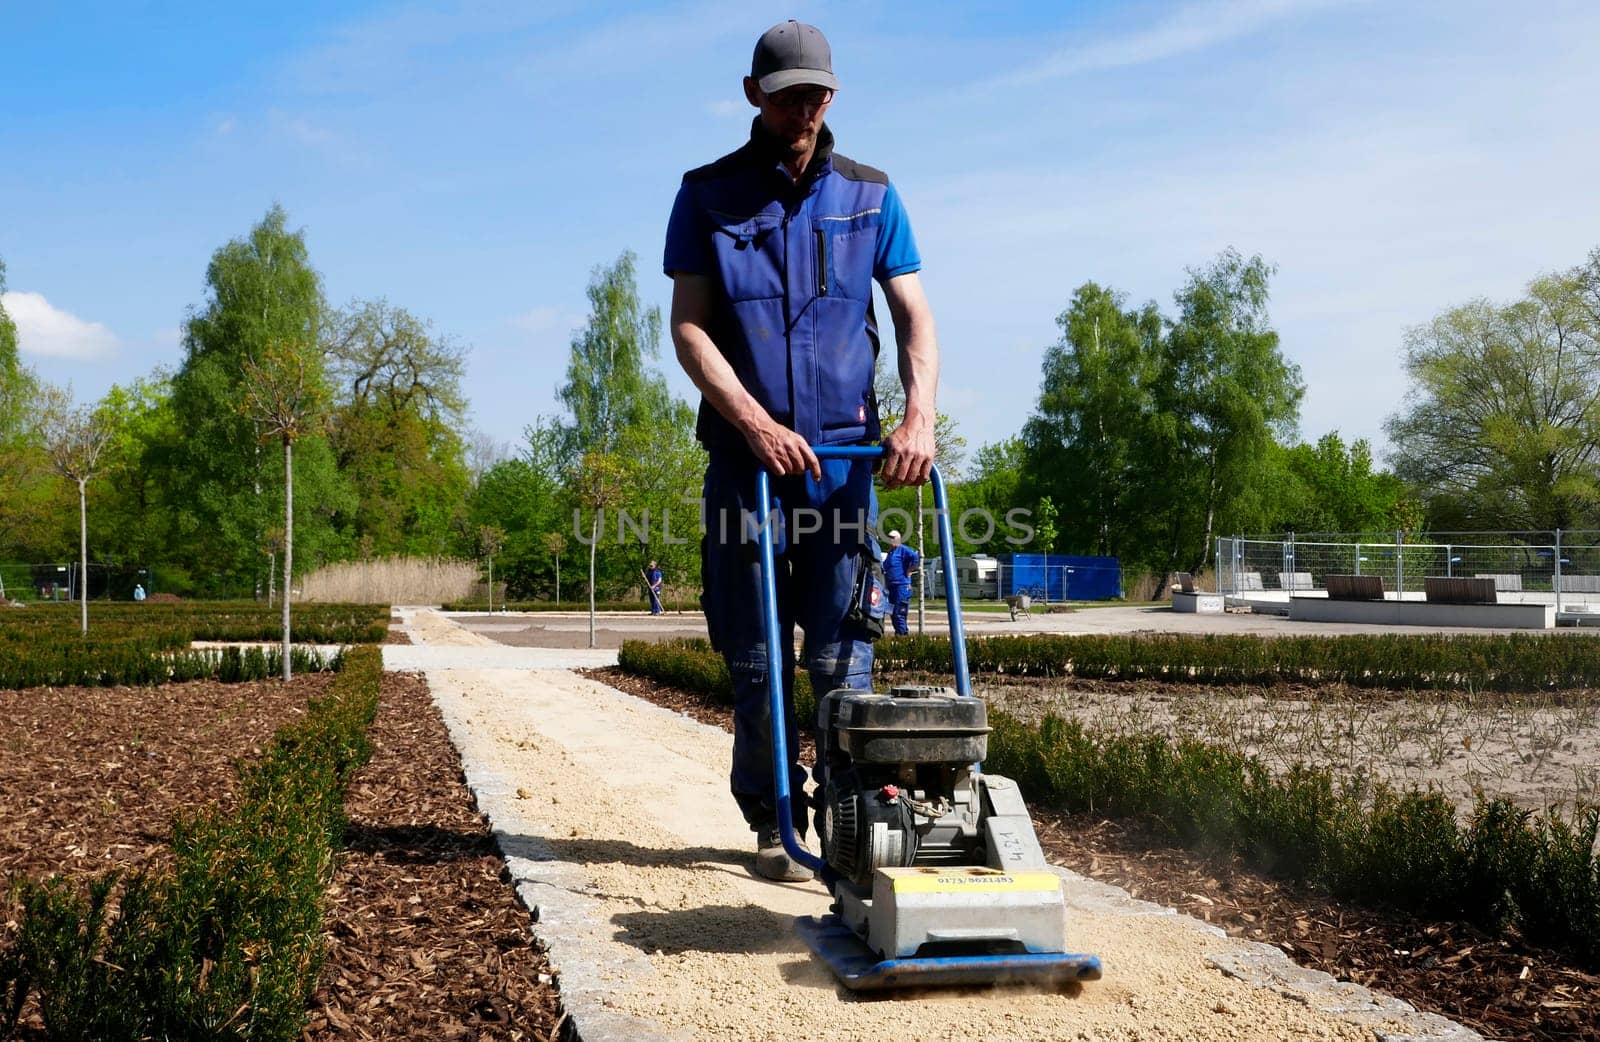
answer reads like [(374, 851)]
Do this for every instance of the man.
[(652, 584), (899, 565), (773, 250)]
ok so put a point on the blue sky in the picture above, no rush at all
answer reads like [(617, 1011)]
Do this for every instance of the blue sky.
[(473, 162)]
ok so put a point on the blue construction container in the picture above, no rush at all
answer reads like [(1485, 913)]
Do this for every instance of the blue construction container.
[(1061, 577)]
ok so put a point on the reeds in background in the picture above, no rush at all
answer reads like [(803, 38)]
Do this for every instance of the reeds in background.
[(392, 580)]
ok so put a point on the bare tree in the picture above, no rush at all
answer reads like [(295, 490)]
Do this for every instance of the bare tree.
[(76, 437), (599, 483), (556, 544), (483, 452), (286, 398), (490, 539)]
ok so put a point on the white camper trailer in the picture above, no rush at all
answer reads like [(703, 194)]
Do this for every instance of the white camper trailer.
[(978, 577)]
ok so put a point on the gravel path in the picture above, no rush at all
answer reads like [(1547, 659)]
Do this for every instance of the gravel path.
[(620, 834)]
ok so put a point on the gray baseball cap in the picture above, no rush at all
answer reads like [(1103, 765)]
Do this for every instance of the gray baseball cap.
[(790, 54)]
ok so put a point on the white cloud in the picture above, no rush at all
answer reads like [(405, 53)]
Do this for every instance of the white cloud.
[(1191, 28), (546, 319), (225, 126), (725, 109), (49, 332)]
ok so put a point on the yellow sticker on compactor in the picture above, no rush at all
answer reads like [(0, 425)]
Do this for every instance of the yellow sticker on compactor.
[(1031, 882)]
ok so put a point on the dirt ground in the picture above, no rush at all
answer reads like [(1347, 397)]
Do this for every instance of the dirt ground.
[(1540, 750), (636, 800), (1495, 985)]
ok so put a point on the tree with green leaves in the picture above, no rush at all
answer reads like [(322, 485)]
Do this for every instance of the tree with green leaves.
[(286, 398), (22, 459), (262, 290), (1331, 487), (620, 408), (9, 362), (395, 429), (1091, 425), (132, 516), (528, 498), (1223, 395), (1500, 427), (76, 438), (995, 484), (611, 385)]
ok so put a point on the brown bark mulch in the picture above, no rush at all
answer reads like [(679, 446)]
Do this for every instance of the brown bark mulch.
[(1496, 985), (426, 938), (90, 777)]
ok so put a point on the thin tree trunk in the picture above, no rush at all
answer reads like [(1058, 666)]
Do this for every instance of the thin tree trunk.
[(288, 545), (594, 544), (83, 554)]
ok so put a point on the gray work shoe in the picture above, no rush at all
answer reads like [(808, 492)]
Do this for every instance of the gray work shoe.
[(773, 862)]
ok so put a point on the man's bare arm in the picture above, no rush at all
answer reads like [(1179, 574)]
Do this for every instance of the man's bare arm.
[(909, 448), (779, 449)]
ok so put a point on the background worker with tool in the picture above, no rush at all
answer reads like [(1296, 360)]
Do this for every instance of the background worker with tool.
[(899, 565), (652, 585), (773, 250)]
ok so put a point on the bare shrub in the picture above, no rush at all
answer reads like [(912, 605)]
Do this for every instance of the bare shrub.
[(392, 580)]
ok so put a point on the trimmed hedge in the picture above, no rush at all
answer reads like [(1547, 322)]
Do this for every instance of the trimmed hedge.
[(1362, 840), (226, 944), (150, 644), (1493, 662), (138, 664), (186, 621)]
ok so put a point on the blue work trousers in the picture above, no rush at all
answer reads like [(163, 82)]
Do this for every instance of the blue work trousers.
[(822, 532), (900, 602)]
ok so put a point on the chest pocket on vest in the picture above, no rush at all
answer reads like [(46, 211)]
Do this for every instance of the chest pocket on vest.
[(851, 248), (749, 254)]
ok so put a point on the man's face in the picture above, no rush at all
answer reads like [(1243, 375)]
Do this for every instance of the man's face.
[(792, 115)]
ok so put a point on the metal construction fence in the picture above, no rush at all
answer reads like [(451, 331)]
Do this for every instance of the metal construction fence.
[(63, 581), (1045, 579), (1560, 567)]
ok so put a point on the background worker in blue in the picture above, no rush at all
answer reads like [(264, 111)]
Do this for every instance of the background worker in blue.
[(652, 585), (899, 565), (773, 250)]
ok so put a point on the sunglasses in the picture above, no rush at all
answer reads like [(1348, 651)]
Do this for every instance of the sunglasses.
[(811, 97)]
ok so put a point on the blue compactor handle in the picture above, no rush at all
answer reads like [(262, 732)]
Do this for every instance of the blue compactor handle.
[(778, 654)]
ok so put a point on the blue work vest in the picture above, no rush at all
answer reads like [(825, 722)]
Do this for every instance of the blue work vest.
[(793, 265)]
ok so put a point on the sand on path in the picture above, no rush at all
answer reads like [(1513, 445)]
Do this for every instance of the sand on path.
[(622, 835)]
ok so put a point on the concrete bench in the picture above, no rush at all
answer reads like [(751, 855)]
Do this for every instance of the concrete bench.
[(1503, 582), (1439, 589), (1355, 588), (1295, 581), (1249, 581), (1185, 582), (1580, 584)]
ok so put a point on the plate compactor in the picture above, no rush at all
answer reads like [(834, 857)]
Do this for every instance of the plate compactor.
[(936, 874)]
